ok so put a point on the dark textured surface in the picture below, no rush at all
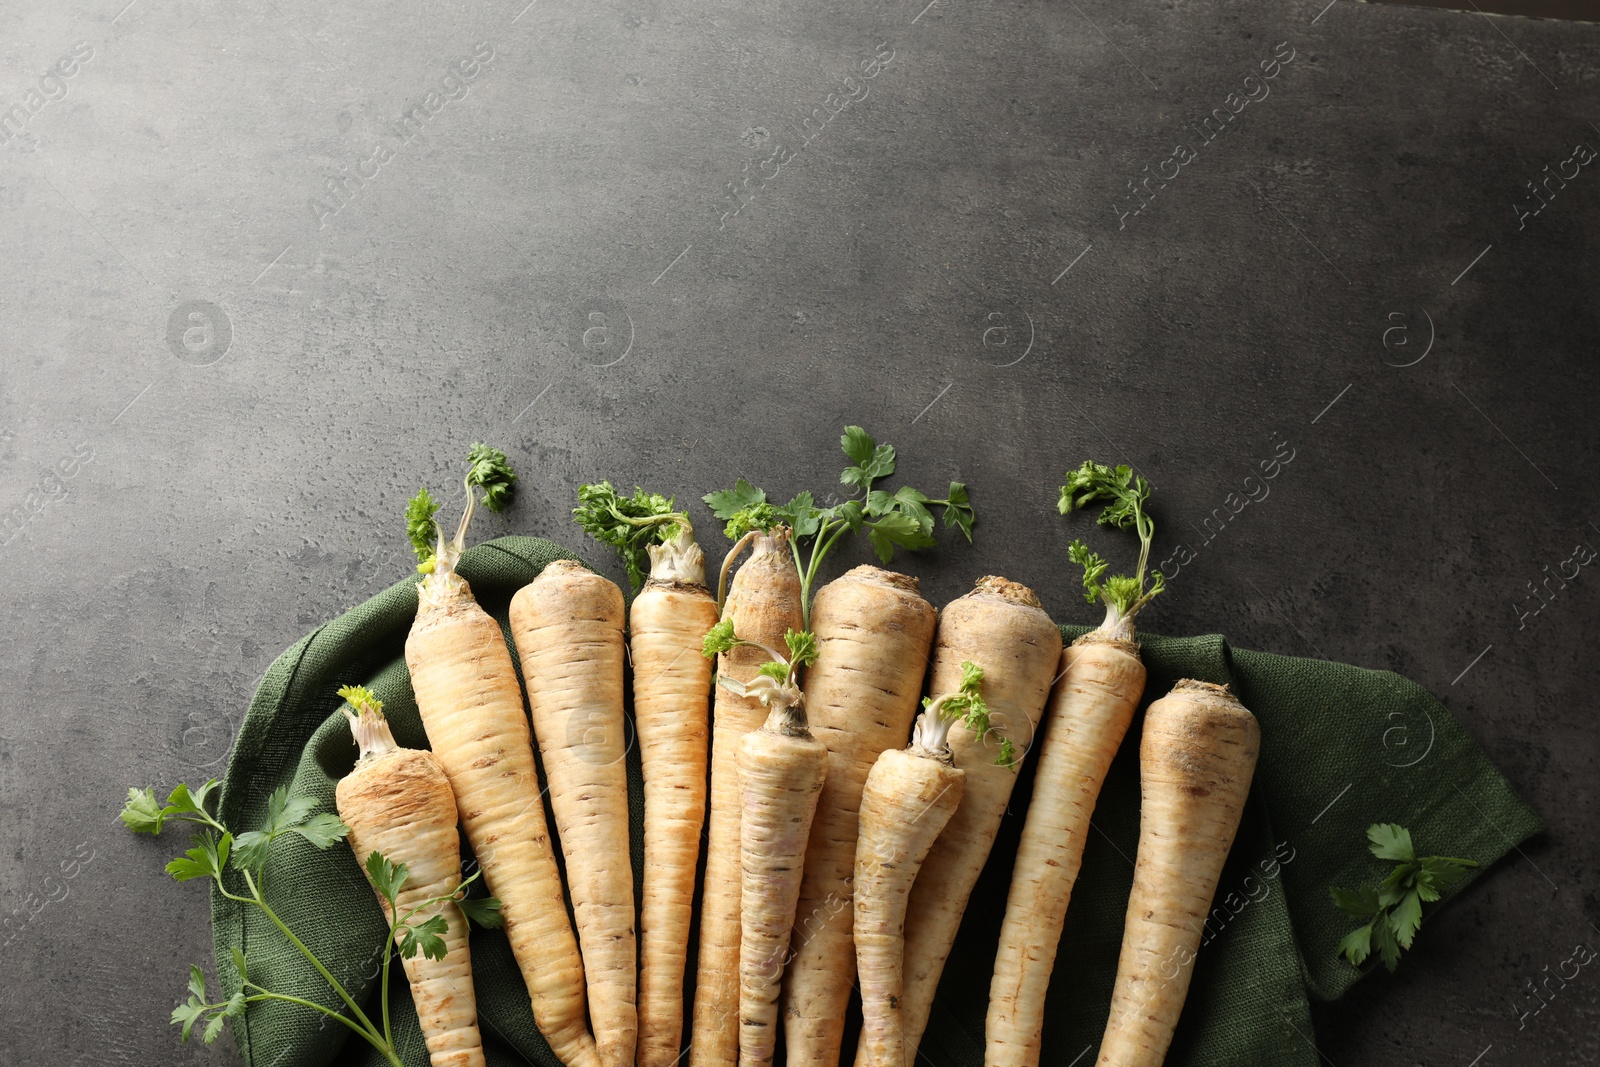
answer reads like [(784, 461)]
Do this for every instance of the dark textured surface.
[(235, 498)]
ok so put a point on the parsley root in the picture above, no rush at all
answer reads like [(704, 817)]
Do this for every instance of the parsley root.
[(397, 803), (762, 606), (1101, 681), (909, 797), (471, 706), (568, 625), (667, 624), (1196, 759), (1001, 625)]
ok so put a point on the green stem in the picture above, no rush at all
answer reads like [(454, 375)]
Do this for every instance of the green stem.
[(820, 547), (267, 994), (383, 992), (266, 910)]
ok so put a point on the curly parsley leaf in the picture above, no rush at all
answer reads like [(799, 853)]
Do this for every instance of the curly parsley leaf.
[(491, 471), (421, 528), (1122, 496), (629, 524), (718, 639)]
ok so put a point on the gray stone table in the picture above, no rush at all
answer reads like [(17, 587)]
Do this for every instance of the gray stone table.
[(269, 266)]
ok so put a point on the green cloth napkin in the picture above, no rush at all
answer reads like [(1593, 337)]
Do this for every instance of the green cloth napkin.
[(1342, 748)]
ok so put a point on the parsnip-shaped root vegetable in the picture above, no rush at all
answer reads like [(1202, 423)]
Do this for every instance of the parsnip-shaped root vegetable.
[(873, 634), (763, 605), (1101, 682), (397, 802), (471, 706), (908, 800), (1196, 759), (781, 770), (1000, 625), (567, 624), (667, 623)]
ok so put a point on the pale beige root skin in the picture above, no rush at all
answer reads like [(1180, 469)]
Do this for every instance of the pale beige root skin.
[(568, 624), (1196, 760), (471, 705), (874, 633), (908, 799), (764, 603), (671, 707), (1000, 627), (780, 777), (1089, 711), (400, 804)]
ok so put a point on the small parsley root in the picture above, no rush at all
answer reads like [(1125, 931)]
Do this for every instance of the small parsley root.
[(402, 813), (471, 705), (762, 606), (568, 625), (1001, 625), (1100, 682), (668, 622), (909, 797), (781, 769), (1196, 760)]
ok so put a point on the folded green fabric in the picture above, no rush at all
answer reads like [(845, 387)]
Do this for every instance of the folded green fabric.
[(1341, 748)]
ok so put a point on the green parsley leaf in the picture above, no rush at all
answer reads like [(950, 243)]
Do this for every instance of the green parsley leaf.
[(896, 528), (187, 1014), (143, 813), (1391, 842), (857, 444), (1393, 908), (197, 981), (1358, 904), (629, 524), (1008, 755), (428, 937), (183, 802), (283, 814), (214, 1027), (1093, 564), (484, 911), (802, 648), (778, 672), (1405, 918), (239, 964), (205, 860), (1122, 496), (728, 502), (1356, 946), (718, 639), (491, 471), (322, 830), (387, 878), (958, 510), (802, 515), (421, 529)]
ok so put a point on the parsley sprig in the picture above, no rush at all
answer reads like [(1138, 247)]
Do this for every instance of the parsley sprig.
[(899, 519), (1393, 909), (966, 706), (629, 524), (488, 469), (217, 852), (1123, 497)]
